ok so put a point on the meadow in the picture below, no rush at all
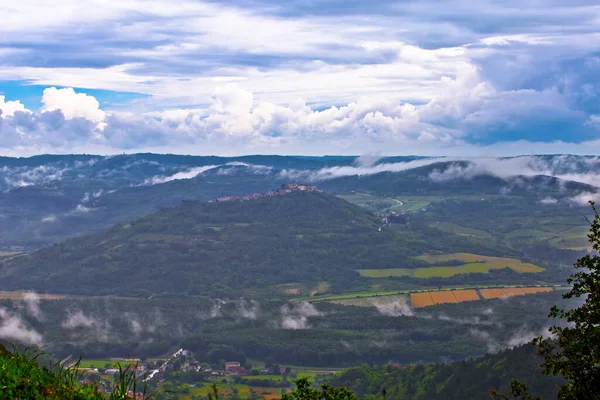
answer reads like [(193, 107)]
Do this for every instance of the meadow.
[(471, 263)]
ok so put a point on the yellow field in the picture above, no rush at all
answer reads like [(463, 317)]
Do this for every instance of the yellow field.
[(509, 292), (421, 300), (513, 291), (537, 290), (427, 299), (492, 293), (443, 297), (21, 295), (465, 295), (490, 262)]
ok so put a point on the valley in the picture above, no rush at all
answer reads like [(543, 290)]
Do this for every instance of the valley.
[(260, 260)]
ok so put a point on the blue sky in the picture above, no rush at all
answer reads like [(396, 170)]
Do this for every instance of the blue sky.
[(262, 76)]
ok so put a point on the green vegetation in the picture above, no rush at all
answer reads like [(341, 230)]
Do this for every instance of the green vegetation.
[(23, 377), (304, 391), (451, 227), (574, 352), (302, 237), (471, 379), (466, 264)]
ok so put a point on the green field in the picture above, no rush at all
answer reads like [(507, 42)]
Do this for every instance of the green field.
[(277, 378), (451, 227), (473, 263), (100, 363), (388, 204), (371, 301), (572, 239)]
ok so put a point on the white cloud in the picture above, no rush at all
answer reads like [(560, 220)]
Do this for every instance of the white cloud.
[(72, 104), (12, 327), (187, 174), (295, 316), (8, 108)]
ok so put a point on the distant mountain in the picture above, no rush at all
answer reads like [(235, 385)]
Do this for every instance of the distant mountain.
[(49, 198), (229, 248)]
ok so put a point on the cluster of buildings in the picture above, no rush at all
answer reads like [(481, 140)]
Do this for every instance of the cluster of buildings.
[(232, 368), (284, 190)]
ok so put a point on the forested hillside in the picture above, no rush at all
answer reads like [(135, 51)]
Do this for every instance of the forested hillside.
[(231, 248), (472, 379)]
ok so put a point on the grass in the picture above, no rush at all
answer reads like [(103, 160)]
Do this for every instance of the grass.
[(451, 227), (370, 301), (243, 391), (277, 378), (388, 204), (573, 239), (23, 377), (98, 363)]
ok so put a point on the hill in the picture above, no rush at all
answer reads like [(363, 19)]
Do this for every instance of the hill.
[(471, 379), (229, 249)]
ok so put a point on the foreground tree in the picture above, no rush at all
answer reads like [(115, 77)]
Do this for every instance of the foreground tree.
[(304, 391), (573, 350)]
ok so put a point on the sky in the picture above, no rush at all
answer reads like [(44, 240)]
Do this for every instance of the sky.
[(444, 77)]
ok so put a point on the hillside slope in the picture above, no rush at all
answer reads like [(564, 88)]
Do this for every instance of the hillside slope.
[(472, 379), (228, 248)]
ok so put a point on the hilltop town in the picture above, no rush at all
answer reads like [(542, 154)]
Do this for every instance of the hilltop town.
[(283, 191)]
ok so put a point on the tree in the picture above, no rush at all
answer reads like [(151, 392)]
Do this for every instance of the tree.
[(304, 391), (574, 351)]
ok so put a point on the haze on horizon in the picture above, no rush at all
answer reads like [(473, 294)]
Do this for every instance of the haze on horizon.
[(317, 77)]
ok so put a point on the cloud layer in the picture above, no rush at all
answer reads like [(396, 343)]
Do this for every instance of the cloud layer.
[(303, 77)]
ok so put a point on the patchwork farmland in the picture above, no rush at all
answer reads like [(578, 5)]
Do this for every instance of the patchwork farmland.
[(419, 300), (450, 264)]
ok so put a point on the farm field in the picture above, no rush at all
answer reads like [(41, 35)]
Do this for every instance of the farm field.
[(508, 292), (473, 263), (388, 204), (490, 262), (370, 301), (99, 363), (465, 295), (419, 300), (572, 239), (21, 295), (451, 227)]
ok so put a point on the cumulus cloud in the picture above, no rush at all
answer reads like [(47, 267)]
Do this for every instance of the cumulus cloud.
[(235, 120), (12, 327), (71, 104), (295, 316), (8, 108)]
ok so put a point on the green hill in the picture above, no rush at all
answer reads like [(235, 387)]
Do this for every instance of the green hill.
[(471, 379), (229, 249)]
